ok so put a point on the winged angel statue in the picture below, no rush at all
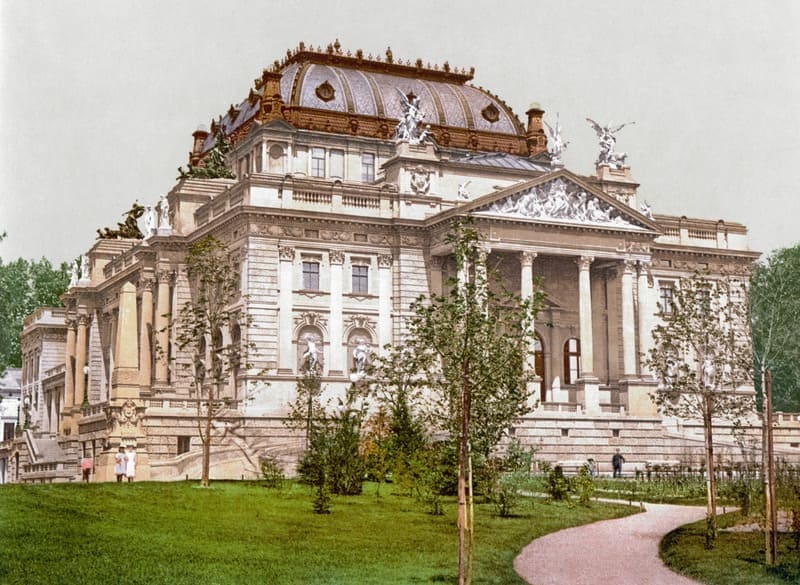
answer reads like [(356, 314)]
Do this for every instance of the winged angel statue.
[(408, 127), (607, 156), (557, 143)]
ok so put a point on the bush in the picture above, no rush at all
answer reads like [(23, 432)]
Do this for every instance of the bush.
[(272, 472), (584, 485), (507, 494), (557, 485)]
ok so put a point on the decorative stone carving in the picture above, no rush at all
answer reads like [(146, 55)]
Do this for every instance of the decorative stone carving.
[(584, 262), (84, 269), (325, 91), (336, 257), (311, 359), (286, 253), (560, 200), (463, 193), (164, 226), (410, 240), (646, 209), (526, 258), (420, 180), (73, 277), (409, 126), (146, 284), (490, 113), (150, 221), (125, 418), (384, 261), (607, 156), (556, 143), (379, 239), (310, 319)]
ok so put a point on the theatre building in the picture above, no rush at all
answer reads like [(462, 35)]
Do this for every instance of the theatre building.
[(349, 172)]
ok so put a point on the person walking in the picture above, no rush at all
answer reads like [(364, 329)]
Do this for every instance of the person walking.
[(119, 464), (87, 465), (616, 462), (130, 464)]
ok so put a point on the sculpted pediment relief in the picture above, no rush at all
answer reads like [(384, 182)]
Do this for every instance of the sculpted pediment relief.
[(561, 200)]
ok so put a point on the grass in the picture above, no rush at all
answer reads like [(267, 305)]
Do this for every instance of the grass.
[(736, 559), (240, 532)]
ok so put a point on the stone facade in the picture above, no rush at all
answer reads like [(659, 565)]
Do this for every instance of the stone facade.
[(337, 228)]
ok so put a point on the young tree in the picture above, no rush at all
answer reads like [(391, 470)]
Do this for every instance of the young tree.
[(199, 328), (703, 356), (469, 348), (775, 321), (24, 286)]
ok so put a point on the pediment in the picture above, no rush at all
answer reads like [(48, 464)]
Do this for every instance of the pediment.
[(561, 199)]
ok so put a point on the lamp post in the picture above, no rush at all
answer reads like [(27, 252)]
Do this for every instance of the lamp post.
[(85, 403)]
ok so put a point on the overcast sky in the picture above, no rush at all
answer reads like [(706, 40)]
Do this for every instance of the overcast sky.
[(99, 99)]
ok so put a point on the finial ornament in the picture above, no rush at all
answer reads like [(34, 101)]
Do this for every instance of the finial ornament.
[(607, 156), (556, 143)]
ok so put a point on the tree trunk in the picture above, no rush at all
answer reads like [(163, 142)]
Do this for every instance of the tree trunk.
[(207, 441), (470, 519), (770, 529), (711, 488), (463, 454)]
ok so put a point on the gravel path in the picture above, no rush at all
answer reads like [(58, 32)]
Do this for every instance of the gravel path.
[(612, 552)]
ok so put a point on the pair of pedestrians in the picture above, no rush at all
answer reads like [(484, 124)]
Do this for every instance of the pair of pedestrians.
[(125, 464)]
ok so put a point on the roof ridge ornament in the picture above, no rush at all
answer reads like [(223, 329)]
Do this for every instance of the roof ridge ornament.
[(408, 128), (556, 143), (607, 156)]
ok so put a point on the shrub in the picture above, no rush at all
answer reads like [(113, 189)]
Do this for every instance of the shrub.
[(557, 485), (584, 485), (272, 472)]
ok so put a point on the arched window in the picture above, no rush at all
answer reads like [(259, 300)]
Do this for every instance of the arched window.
[(538, 364), (572, 360)]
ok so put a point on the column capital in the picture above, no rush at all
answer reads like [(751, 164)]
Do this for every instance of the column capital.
[(146, 284), (436, 262), (384, 260), (526, 258), (336, 256), (584, 262), (166, 276), (286, 253), (71, 322), (83, 320), (628, 266)]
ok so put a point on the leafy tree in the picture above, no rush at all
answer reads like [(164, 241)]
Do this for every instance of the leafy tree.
[(467, 348), (703, 356), (24, 286), (775, 323), (201, 321)]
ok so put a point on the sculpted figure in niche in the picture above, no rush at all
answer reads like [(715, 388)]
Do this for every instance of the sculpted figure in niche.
[(311, 357), (709, 373), (361, 356)]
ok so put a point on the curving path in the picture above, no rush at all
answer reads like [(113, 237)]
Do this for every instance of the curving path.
[(611, 552)]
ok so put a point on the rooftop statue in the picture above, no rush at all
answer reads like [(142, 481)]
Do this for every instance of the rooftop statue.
[(73, 277), (129, 229), (607, 156), (557, 144), (409, 128), (214, 166)]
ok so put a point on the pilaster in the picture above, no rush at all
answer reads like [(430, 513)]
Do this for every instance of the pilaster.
[(384, 300), (628, 324), (285, 279), (337, 366)]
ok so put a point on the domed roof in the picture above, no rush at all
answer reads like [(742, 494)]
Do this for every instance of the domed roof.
[(332, 91)]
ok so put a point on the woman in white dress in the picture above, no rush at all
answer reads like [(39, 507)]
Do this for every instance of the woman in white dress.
[(130, 464), (119, 464)]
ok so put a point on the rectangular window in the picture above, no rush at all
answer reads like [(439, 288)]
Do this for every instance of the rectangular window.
[(184, 444), (8, 431), (337, 164), (368, 167), (360, 278), (665, 297), (311, 275), (317, 162)]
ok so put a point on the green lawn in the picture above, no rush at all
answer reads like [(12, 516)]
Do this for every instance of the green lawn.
[(241, 533), (737, 558)]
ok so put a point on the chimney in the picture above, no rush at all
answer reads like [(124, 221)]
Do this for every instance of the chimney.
[(271, 100), (535, 136), (199, 136)]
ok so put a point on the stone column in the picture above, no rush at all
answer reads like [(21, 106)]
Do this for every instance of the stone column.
[(285, 285), (628, 324), (162, 328), (264, 159), (587, 383), (145, 349), (80, 360), (125, 378), (69, 378), (526, 293), (384, 300), (337, 366), (645, 325), (585, 316)]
